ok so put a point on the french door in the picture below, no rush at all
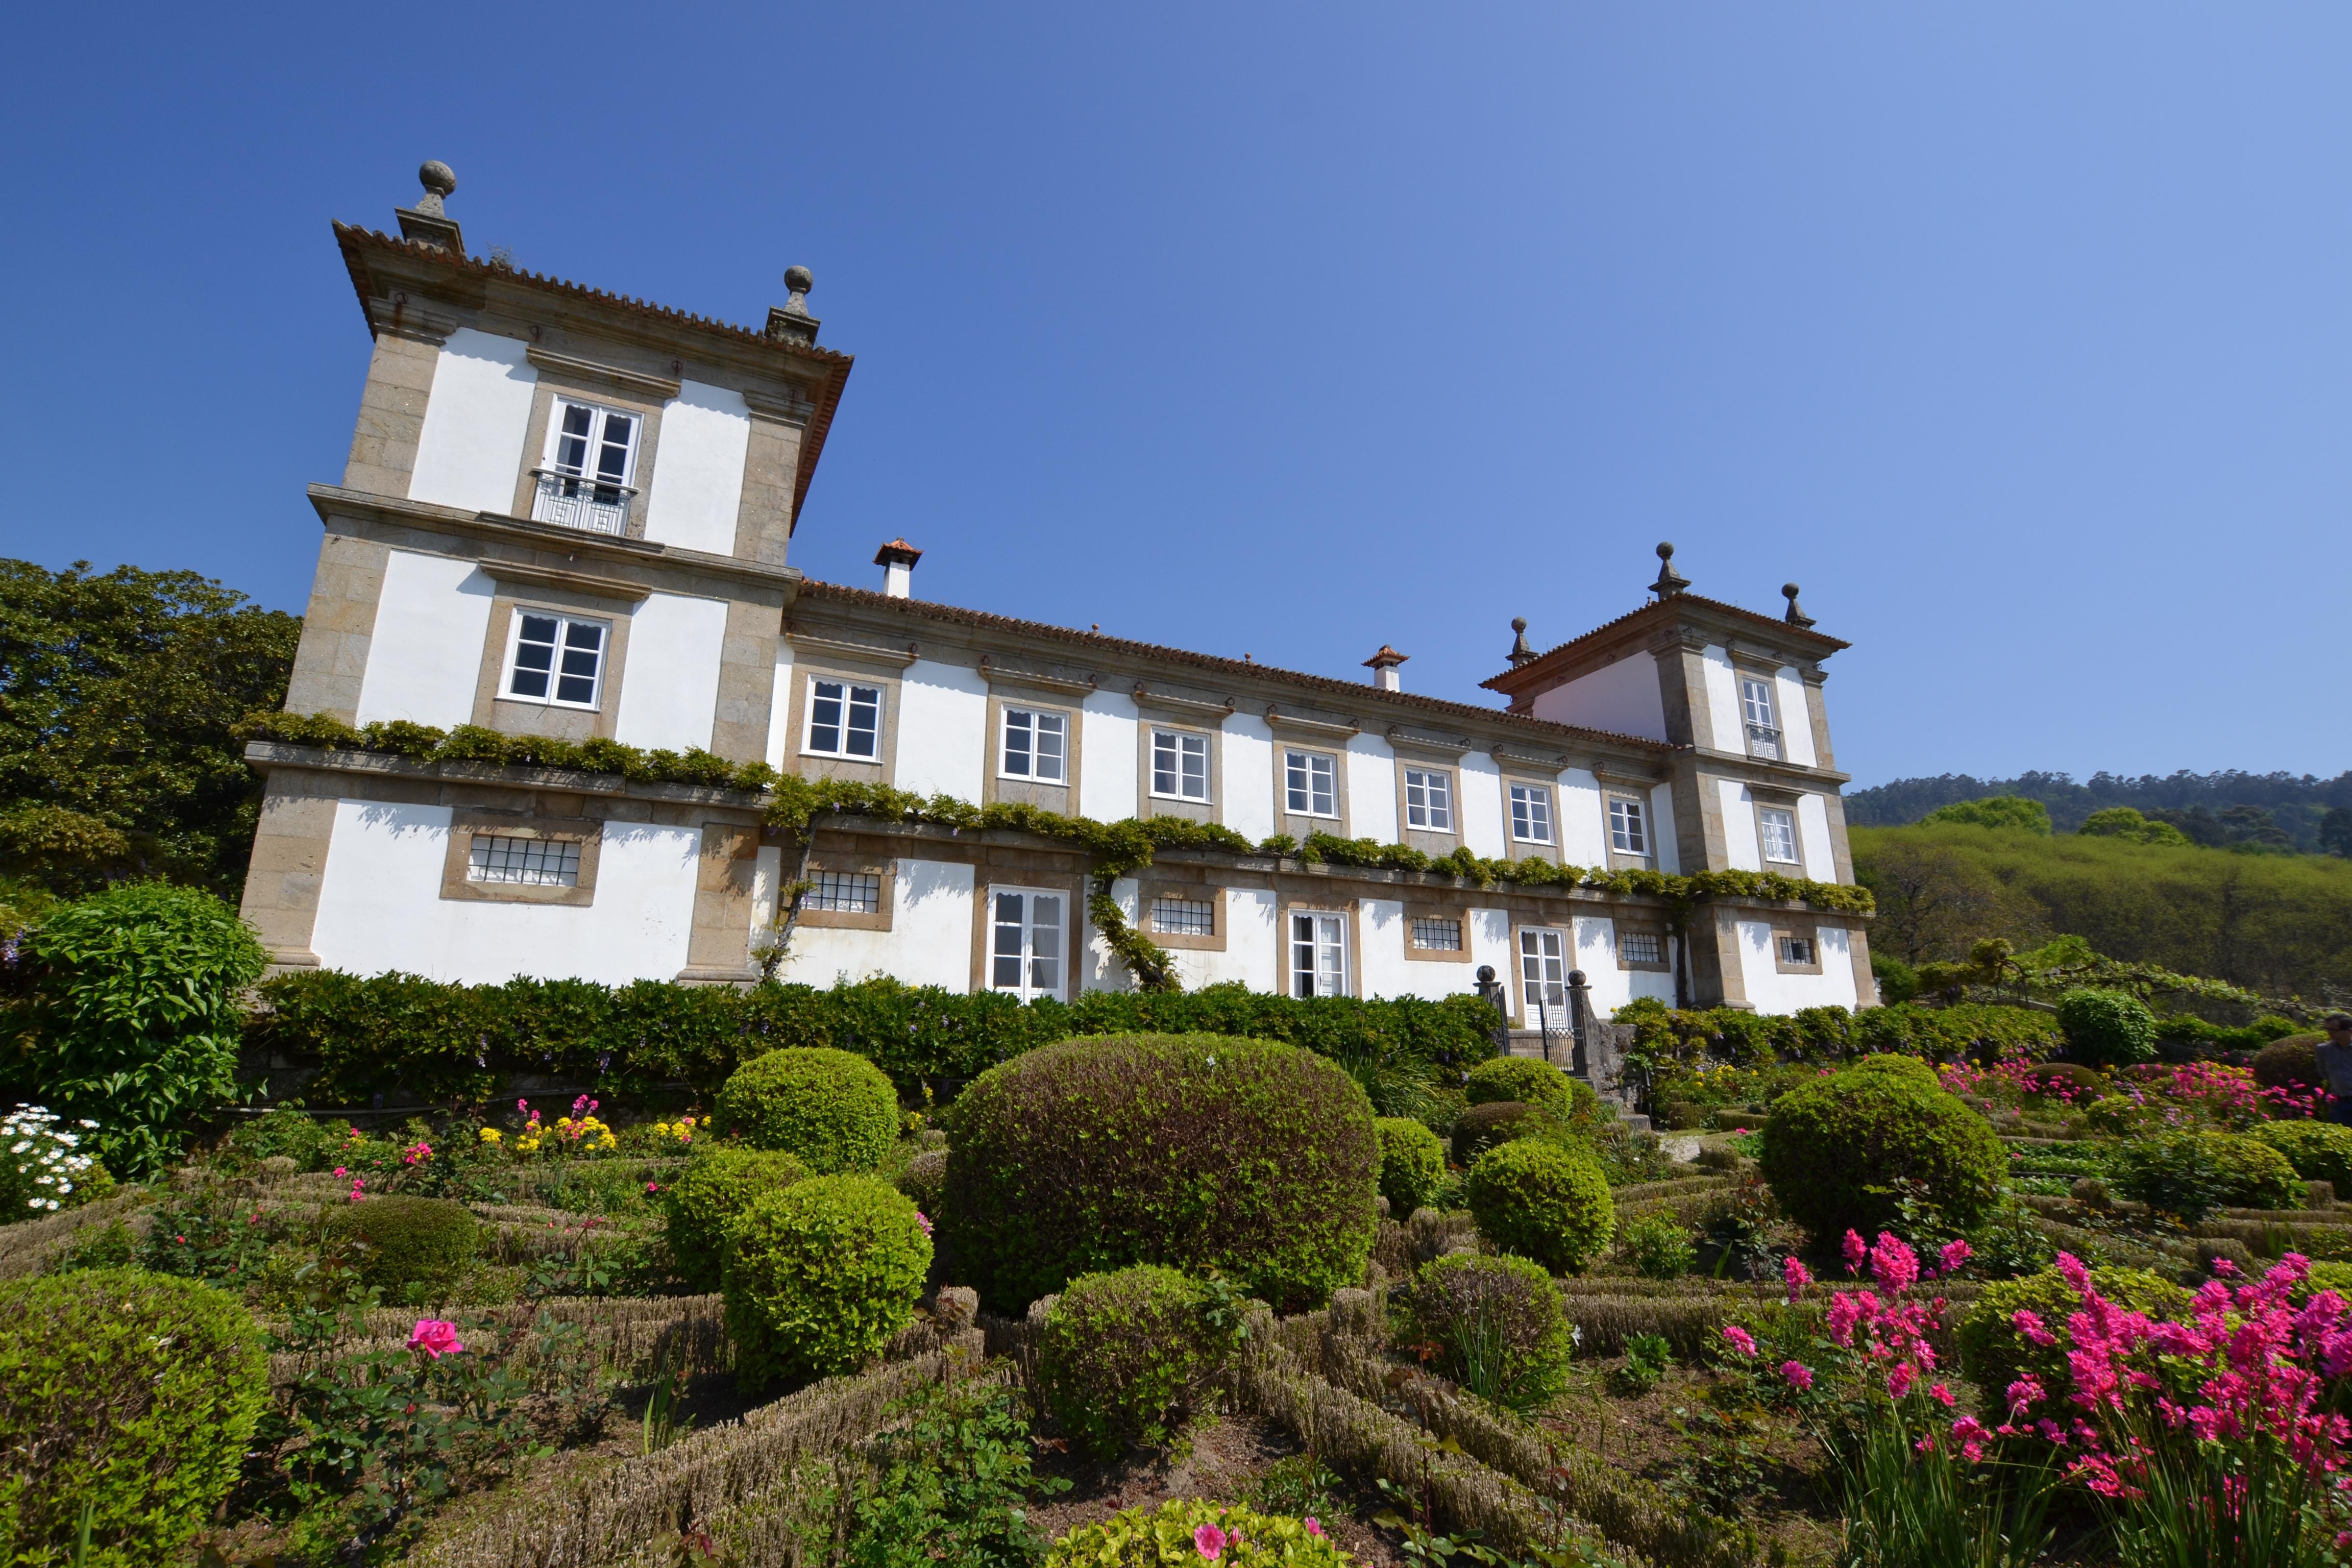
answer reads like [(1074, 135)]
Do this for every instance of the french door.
[(1025, 950)]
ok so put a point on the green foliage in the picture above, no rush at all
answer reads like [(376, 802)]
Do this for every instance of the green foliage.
[(1482, 1127), (2005, 811), (717, 1184), (43, 1167), (2192, 1173), (820, 1276), (474, 744), (1994, 1354), (2107, 1028), (1201, 1152), (1647, 1357), (129, 1393), (2291, 1063), (1498, 1324), (409, 1243), (1658, 1246), (925, 1180), (832, 1109), (1542, 1200), (1412, 1165), (1898, 981), (1836, 1149), (950, 1484), (2319, 1150), (118, 756), (1522, 1078), (134, 1017), (289, 1131), (1126, 1356), (1145, 1537), (1664, 1035), (2124, 822)]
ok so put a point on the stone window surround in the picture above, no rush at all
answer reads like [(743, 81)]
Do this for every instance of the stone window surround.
[(524, 589), (1352, 917), (1516, 849), (1791, 801), (464, 821), (1428, 756), (1152, 886), (562, 376), (1459, 913), (1523, 1011), (1619, 927), (1751, 665), (1293, 733), (995, 783), (1810, 932), (988, 879), (818, 659), (1156, 711), (851, 863)]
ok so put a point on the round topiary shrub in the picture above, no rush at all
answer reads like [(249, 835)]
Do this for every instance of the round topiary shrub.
[(1190, 1533), (409, 1247), (834, 1109), (925, 1178), (131, 1392), (1523, 1078), (1124, 1358), (1201, 1152), (2082, 1080), (1498, 1324), (820, 1276), (2292, 1064), (2106, 1029), (2192, 1173), (1412, 1165), (2319, 1150), (1542, 1200), (717, 1184), (1482, 1127), (1833, 1149), (1994, 1354)]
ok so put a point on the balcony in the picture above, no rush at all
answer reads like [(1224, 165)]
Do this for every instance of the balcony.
[(580, 501), (1764, 741)]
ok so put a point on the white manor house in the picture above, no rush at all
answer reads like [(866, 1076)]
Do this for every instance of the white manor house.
[(569, 515)]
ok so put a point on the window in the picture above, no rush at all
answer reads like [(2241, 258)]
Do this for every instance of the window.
[(1179, 765), (1318, 955), (844, 720), (1429, 800), (556, 659), (1543, 969), (1183, 917), (1025, 955), (1312, 783), (1629, 829), (845, 893), (533, 862), (1776, 828), (1757, 708), (1531, 813), (1639, 947), (1037, 745), (592, 457), (1797, 950), (1433, 935)]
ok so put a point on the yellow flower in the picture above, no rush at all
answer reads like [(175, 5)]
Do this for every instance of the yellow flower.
[(489, 1134)]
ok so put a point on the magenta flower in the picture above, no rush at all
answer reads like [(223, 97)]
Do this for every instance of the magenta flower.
[(1954, 1256), (1314, 1525), (1799, 1375), (1899, 1382), (1798, 1275), (1741, 1340), (924, 1220), (1208, 1542), (1856, 1249), (435, 1338)]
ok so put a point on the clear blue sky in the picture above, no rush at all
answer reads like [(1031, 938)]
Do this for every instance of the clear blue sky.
[(2020, 334)]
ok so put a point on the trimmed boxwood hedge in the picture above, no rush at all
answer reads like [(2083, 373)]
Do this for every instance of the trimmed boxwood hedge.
[(1198, 1152), (1522, 1078), (404, 1241), (820, 1276), (717, 1184), (831, 1110), (1833, 1149), (2319, 1150), (1499, 1326)]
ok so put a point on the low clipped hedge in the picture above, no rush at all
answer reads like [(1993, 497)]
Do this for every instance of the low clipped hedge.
[(1500, 1325), (1994, 1354), (820, 1276), (1522, 1078), (1125, 1357), (2319, 1150), (406, 1243), (134, 1393), (1198, 1152), (1172, 1536), (1412, 1165), (2192, 1173), (832, 1110), (1543, 1200), (1833, 1149), (717, 1184)]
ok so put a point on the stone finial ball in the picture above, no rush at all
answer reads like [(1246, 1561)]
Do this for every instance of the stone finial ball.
[(437, 177), (799, 279), (1788, 590), (1518, 623), (1665, 551)]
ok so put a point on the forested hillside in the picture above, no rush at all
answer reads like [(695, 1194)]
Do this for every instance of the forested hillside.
[(2279, 811)]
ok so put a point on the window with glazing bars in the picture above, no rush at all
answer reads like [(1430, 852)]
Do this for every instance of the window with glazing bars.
[(1318, 955), (1531, 813), (1434, 935), (1179, 765), (845, 892), (1311, 784), (1777, 830), (533, 862), (1543, 970), (1629, 829), (1184, 917), (844, 720), (1025, 949), (1797, 950), (1037, 745), (1429, 800), (556, 659), (1638, 947), (1755, 706)]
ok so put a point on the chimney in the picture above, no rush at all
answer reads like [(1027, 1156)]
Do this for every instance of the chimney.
[(1383, 665), (791, 320), (897, 560), (426, 222)]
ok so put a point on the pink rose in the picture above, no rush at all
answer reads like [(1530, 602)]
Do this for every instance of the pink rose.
[(435, 1338), (1208, 1542), (340, 1172)]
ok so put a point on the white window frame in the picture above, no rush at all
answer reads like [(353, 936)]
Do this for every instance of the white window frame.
[(514, 853), (1545, 959), (844, 728), (1629, 825), (1036, 724), (1302, 771), (1531, 813), (1029, 960), (1183, 746), (1207, 904), (1650, 936), (1428, 799), (586, 494), (1812, 957), (1325, 948), (1767, 819), (1414, 929), (1759, 710), (555, 672), (843, 892)]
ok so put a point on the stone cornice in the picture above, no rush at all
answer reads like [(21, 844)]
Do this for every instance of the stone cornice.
[(272, 755), (1787, 775)]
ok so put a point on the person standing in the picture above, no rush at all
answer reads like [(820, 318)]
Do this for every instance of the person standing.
[(2335, 1054)]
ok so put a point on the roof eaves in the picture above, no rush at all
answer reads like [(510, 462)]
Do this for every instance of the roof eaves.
[(1535, 667)]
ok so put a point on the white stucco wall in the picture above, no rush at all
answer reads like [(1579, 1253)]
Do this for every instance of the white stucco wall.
[(1662, 812), (1482, 806), (1722, 718), (1380, 941), (1740, 845), (779, 697), (469, 451), (424, 657), (1490, 943), (1612, 987), (698, 478), (670, 680), (1251, 954), (929, 942), (1583, 820), (1623, 697), (380, 906), (1106, 782), (1249, 776), (1795, 717), (943, 740), (1371, 789), (1813, 838), (1769, 991)]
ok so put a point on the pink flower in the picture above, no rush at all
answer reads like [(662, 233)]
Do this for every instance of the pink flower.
[(1856, 1249), (2223, 1267), (1899, 1382), (1741, 1340), (2025, 1394), (924, 1220), (435, 1338), (653, 1186), (1799, 1375), (1208, 1542), (1797, 1275), (2030, 1324), (340, 1172), (1942, 1395), (1893, 1263), (1314, 1525), (1954, 1256)]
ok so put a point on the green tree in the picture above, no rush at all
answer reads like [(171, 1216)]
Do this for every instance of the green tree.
[(118, 692), (2124, 822), (2336, 832), (1935, 901), (1995, 811)]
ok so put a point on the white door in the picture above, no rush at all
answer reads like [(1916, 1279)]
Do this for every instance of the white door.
[(1543, 971), (1318, 955), (1025, 948)]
